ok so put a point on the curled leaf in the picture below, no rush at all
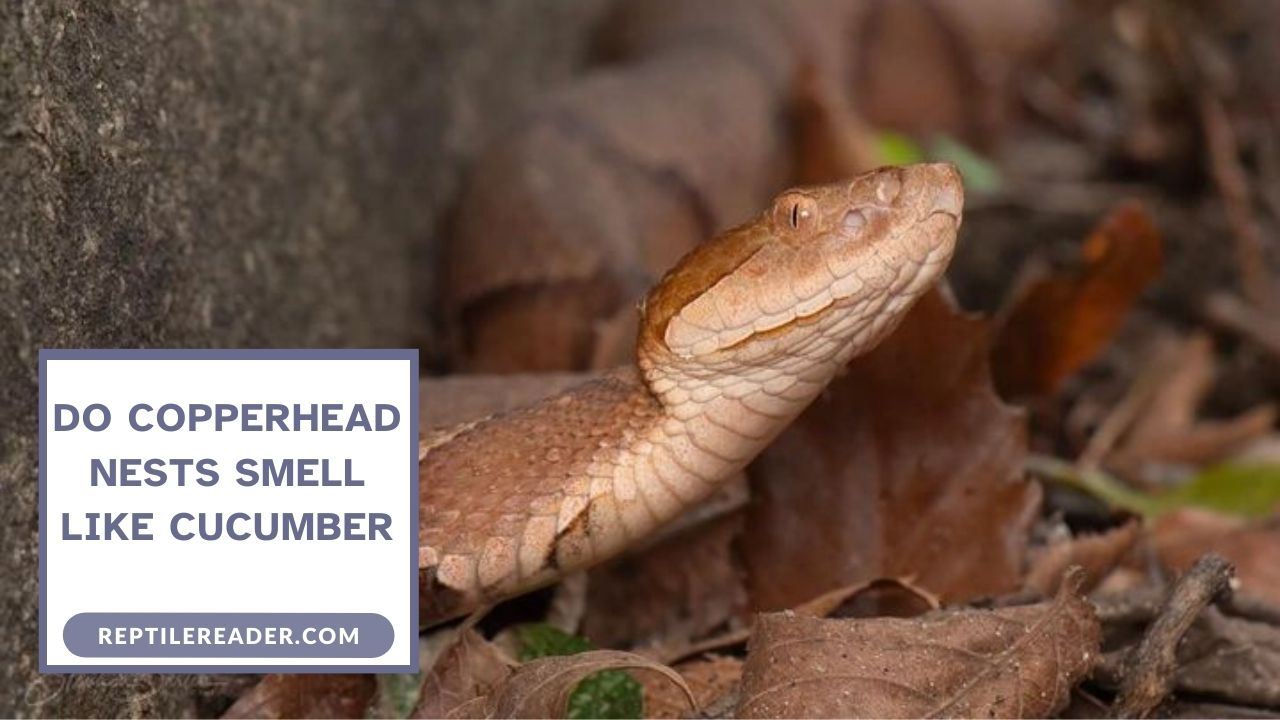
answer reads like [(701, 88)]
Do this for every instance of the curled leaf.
[(541, 688), (606, 694), (462, 678)]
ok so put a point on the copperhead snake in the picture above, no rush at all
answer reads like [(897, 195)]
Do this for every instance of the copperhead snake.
[(735, 341)]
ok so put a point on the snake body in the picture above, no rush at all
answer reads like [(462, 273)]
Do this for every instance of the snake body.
[(734, 343)]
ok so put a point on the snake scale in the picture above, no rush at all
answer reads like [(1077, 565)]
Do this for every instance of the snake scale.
[(735, 341)]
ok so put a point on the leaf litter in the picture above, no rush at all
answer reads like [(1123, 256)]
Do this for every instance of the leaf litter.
[(1006, 662), (925, 571)]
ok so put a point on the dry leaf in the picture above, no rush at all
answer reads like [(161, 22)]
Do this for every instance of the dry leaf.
[(541, 688), (887, 597), (1098, 554), (1062, 322), (1010, 662), (1183, 536), (1168, 429), (462, 679), (306, 696), (670, 594), (711, 679), (882, 597), (908, 466)]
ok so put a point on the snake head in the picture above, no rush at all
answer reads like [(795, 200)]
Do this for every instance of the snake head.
[(825, 271)]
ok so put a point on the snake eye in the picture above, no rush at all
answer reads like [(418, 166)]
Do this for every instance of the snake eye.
[(795, 210)]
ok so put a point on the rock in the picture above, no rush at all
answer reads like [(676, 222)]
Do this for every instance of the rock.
[(232, 174)]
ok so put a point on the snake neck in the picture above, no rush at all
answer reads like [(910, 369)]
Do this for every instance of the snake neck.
[(716, 416)]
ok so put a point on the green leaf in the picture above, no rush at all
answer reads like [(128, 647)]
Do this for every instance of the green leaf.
[(1248, 489), (981, 176), (1096, 483), (894, 148), (607, 694), (543, 640)]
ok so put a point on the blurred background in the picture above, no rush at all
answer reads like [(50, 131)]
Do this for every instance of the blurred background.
[(496, 182)]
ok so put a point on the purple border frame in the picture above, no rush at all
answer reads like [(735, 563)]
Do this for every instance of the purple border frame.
[(208, 354)]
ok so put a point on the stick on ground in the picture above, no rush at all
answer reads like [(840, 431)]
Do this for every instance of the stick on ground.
[(1150, 668)]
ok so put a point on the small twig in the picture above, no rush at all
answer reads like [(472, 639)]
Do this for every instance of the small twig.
[(1233, 186), (1149, 669), (1234, 314), (1094, 482)]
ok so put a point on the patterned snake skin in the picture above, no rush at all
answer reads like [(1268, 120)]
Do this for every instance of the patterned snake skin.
[(735, 342)]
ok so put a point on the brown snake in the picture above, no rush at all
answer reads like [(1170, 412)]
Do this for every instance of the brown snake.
[(734, 343)]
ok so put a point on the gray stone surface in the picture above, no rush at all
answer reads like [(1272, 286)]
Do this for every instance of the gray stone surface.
[(227, 174)]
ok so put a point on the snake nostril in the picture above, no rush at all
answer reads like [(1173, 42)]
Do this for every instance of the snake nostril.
[(889, 185)]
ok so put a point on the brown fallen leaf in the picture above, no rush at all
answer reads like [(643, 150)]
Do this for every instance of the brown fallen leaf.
[(541, 688), (462, 679), (306, 696), (1010, 662), (908, 466), (1060, 323), (1180, 537), (713, 680), (670, 594), (1193, 710), (882, 597), (1168, 429), (1098, 554)]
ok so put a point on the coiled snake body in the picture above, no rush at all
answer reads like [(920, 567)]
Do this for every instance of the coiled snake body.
[(734, 343)]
